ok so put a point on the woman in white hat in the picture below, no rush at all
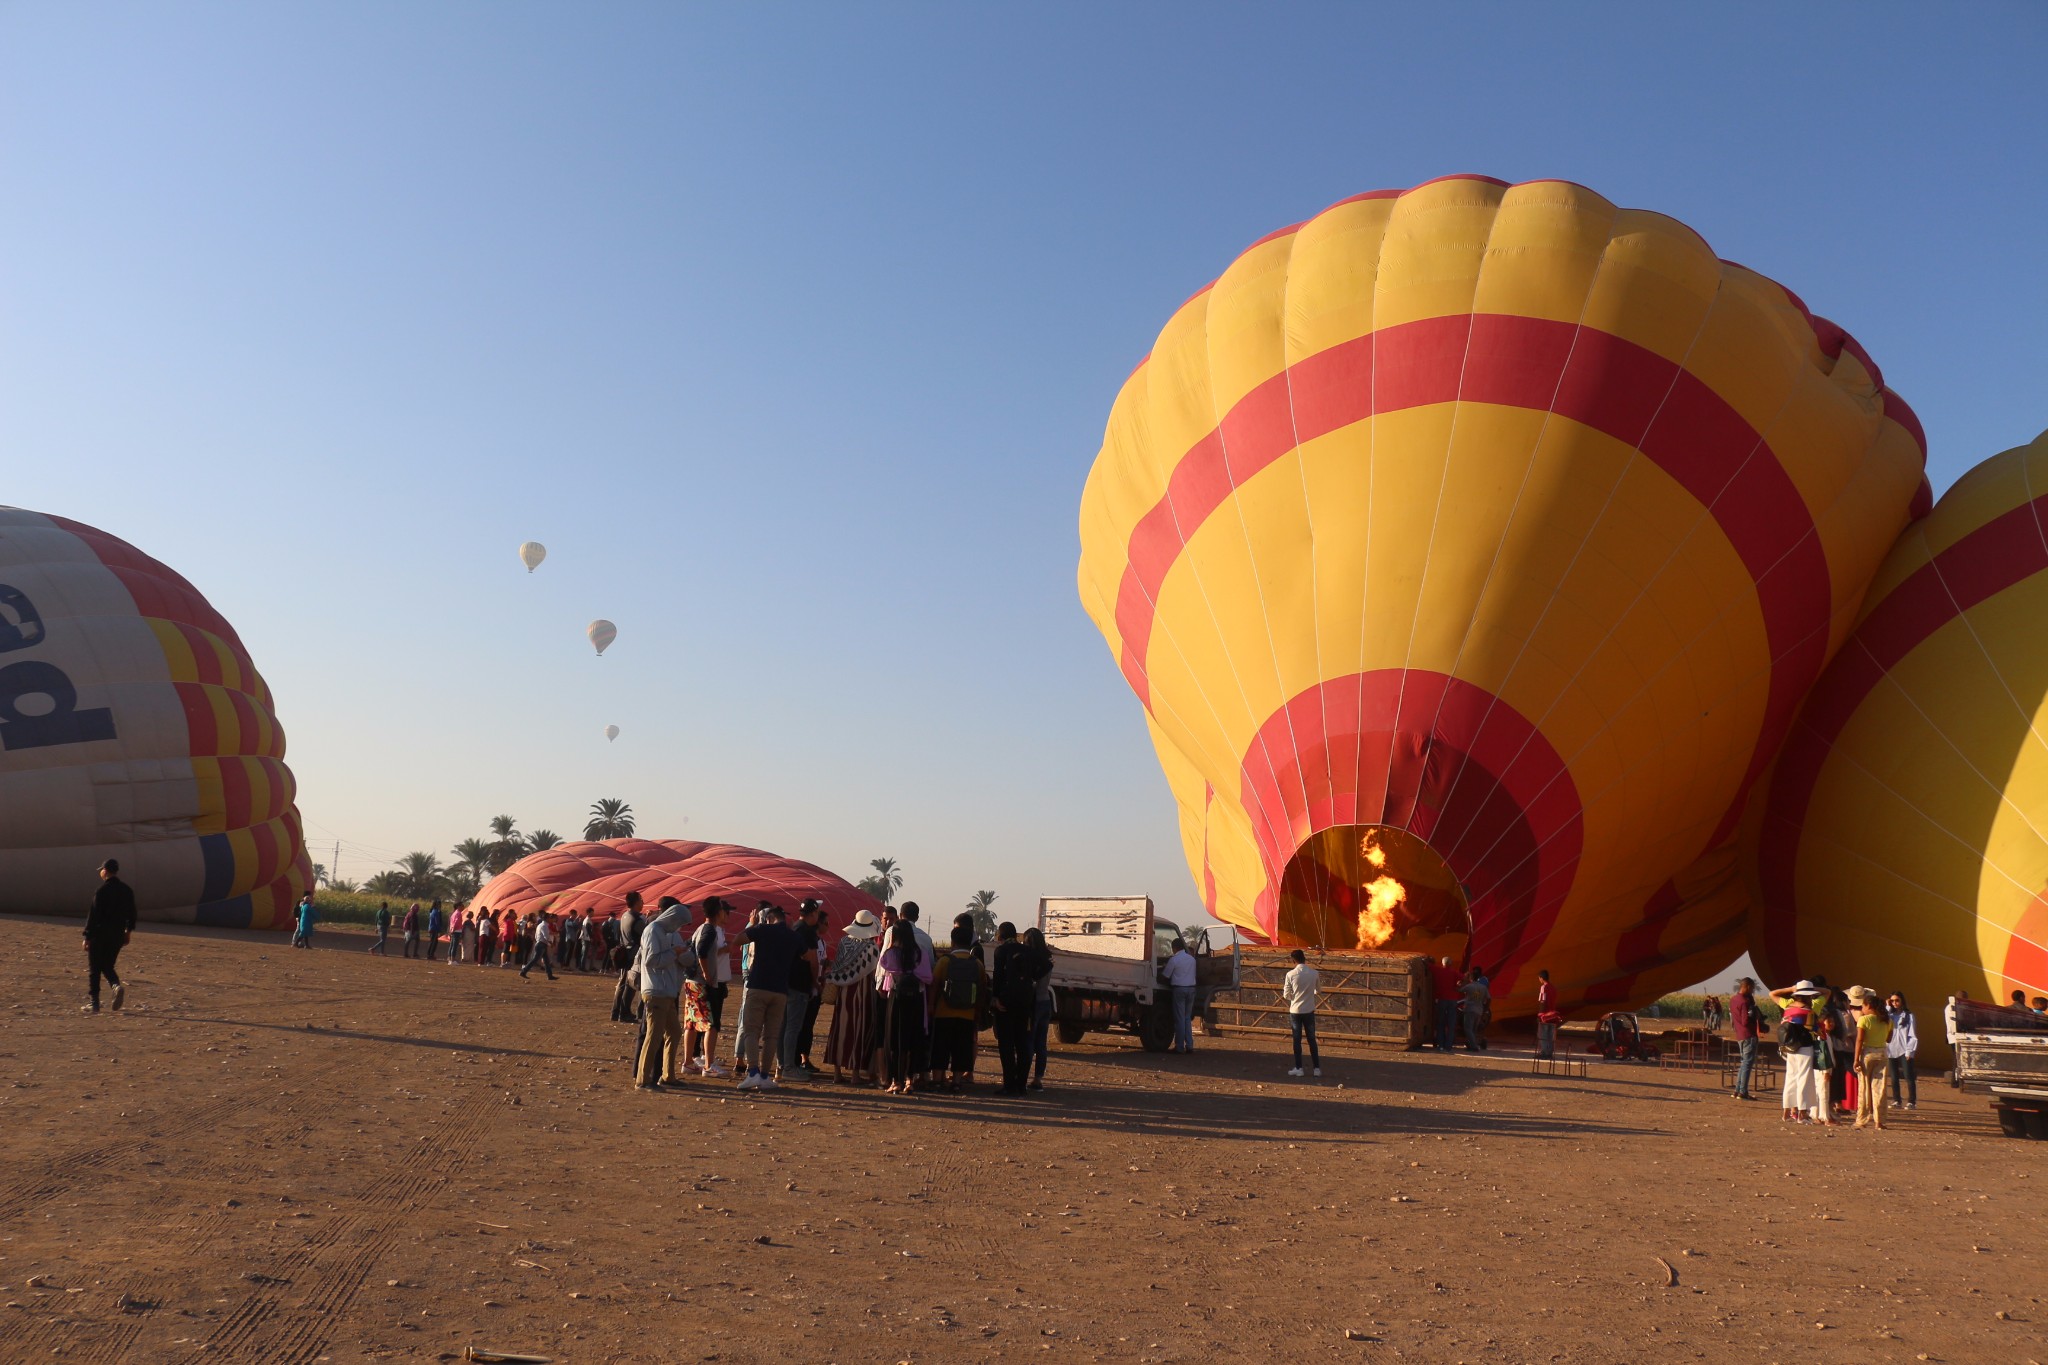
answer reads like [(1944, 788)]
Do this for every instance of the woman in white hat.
[(1797, 1039), (851, 1044)]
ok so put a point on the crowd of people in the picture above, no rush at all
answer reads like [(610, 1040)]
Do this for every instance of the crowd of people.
[(1848, 1055), (576, 940), (907, 1013)]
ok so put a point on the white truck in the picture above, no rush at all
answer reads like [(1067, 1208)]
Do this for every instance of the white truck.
[(2002, 1052), (1107, 953)]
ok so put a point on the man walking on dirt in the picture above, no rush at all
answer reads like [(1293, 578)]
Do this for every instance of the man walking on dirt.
[(107, 926)]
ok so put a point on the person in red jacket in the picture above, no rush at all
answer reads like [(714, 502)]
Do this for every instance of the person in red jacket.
[(1443, 987), (1547, 1015)]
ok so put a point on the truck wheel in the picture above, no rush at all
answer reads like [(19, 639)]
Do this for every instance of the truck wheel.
[(2036, 1122), (1070, 1031), (1155, 1030), (2011, 1121)]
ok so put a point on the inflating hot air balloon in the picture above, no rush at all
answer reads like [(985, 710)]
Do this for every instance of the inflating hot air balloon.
[(602, 633), (531, 553), (611, 732), (1484, 540), (1904, 838), (133, 725)]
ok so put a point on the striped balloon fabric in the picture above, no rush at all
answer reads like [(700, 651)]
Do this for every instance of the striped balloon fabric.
[(133, 725), (1905, 838), (1505, 520)]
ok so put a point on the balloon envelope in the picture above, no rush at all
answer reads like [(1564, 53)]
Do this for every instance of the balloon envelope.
[(602, 633), (611, 732), (1903, 844), (531, 553), (134, 725), (1504, 520)]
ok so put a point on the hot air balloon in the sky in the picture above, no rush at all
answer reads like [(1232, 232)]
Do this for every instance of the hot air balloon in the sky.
[(602, 633), (1470, 549), (531, 553), (1904, 837), (611, 732), (133, 725)]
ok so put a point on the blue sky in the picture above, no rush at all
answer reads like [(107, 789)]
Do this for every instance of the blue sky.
[(791, 330)]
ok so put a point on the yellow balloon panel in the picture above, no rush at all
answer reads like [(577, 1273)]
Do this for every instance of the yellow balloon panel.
[(1504, 521), (1904, 841)]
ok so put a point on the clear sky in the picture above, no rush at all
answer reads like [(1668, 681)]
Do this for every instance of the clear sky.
[(791, 331)]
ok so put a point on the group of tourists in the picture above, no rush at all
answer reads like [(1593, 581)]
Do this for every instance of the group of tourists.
[(1848, 1055), (577, 940), (907, 1013), (1463, 1004)]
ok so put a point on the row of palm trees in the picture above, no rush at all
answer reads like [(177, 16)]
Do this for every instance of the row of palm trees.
[(886, 879), (474, 861)]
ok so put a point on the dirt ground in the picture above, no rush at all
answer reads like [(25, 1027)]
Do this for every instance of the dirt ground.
[(290, 1156)]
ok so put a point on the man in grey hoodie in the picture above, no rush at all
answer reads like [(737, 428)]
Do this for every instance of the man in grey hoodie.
[(660, 972)]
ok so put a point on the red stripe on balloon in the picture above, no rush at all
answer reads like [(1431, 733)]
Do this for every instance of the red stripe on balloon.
[(1997, 555), (235, 795), (1478, 783), (201, 728)]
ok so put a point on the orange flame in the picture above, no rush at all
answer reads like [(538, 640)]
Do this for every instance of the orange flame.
[(1383, 896)]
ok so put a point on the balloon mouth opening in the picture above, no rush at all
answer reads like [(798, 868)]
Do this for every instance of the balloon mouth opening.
[(1372, 888)]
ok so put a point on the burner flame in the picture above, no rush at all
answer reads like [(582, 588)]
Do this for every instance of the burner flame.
[(1383, 895)]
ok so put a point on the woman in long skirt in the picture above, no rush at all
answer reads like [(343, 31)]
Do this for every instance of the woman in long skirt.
[(856, 1016)]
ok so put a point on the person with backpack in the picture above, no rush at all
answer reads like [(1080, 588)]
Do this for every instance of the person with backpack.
[(1797, 1043), (659, 972), (959, 1003), (1011, 996), (383, 929)]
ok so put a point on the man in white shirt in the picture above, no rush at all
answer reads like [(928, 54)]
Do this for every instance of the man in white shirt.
[(1180, 979), (1302, 990), (542, 933)]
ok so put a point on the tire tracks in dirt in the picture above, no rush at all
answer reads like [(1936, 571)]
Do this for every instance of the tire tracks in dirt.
[(327, 1272)]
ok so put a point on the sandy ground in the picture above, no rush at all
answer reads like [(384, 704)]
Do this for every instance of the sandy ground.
[(305, 1156)]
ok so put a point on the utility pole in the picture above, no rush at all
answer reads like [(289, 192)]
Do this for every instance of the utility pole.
[(334, 868)]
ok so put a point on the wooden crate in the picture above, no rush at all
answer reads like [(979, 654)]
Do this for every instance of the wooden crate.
[(1373, 999)]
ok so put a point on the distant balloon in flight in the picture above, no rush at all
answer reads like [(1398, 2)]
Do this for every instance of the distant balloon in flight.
[(611, 732), (602, 633), (531, 553)]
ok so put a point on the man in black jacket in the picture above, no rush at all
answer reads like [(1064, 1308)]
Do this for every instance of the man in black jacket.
[(1011, 991), (107, 927)]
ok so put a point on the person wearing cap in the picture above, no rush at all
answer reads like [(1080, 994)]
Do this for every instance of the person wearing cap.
[(850, 1045), (774, 950), (803, 989), (109, 923)]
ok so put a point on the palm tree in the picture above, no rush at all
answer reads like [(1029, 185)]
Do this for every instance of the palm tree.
[(886, 881), (506, 846), (540, 839), (342, 885), (980, 905), (472, 863), (609, 819), (420, 874), (387, 884)]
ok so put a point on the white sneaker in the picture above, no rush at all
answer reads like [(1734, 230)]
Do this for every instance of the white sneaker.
[(713, 1069), (120, 993), (1294, 1071), (1318, 1071), (750, 1082), (768, 1083)]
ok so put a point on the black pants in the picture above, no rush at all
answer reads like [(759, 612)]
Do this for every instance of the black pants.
[(903, 1040), (539, 957), (1013, 1046), (433, 944), (99, 962), (809, 1032)]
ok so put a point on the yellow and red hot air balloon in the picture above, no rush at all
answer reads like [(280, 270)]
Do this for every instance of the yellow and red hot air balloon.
[(1485, 539), (1904, 838), (133, 725)]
